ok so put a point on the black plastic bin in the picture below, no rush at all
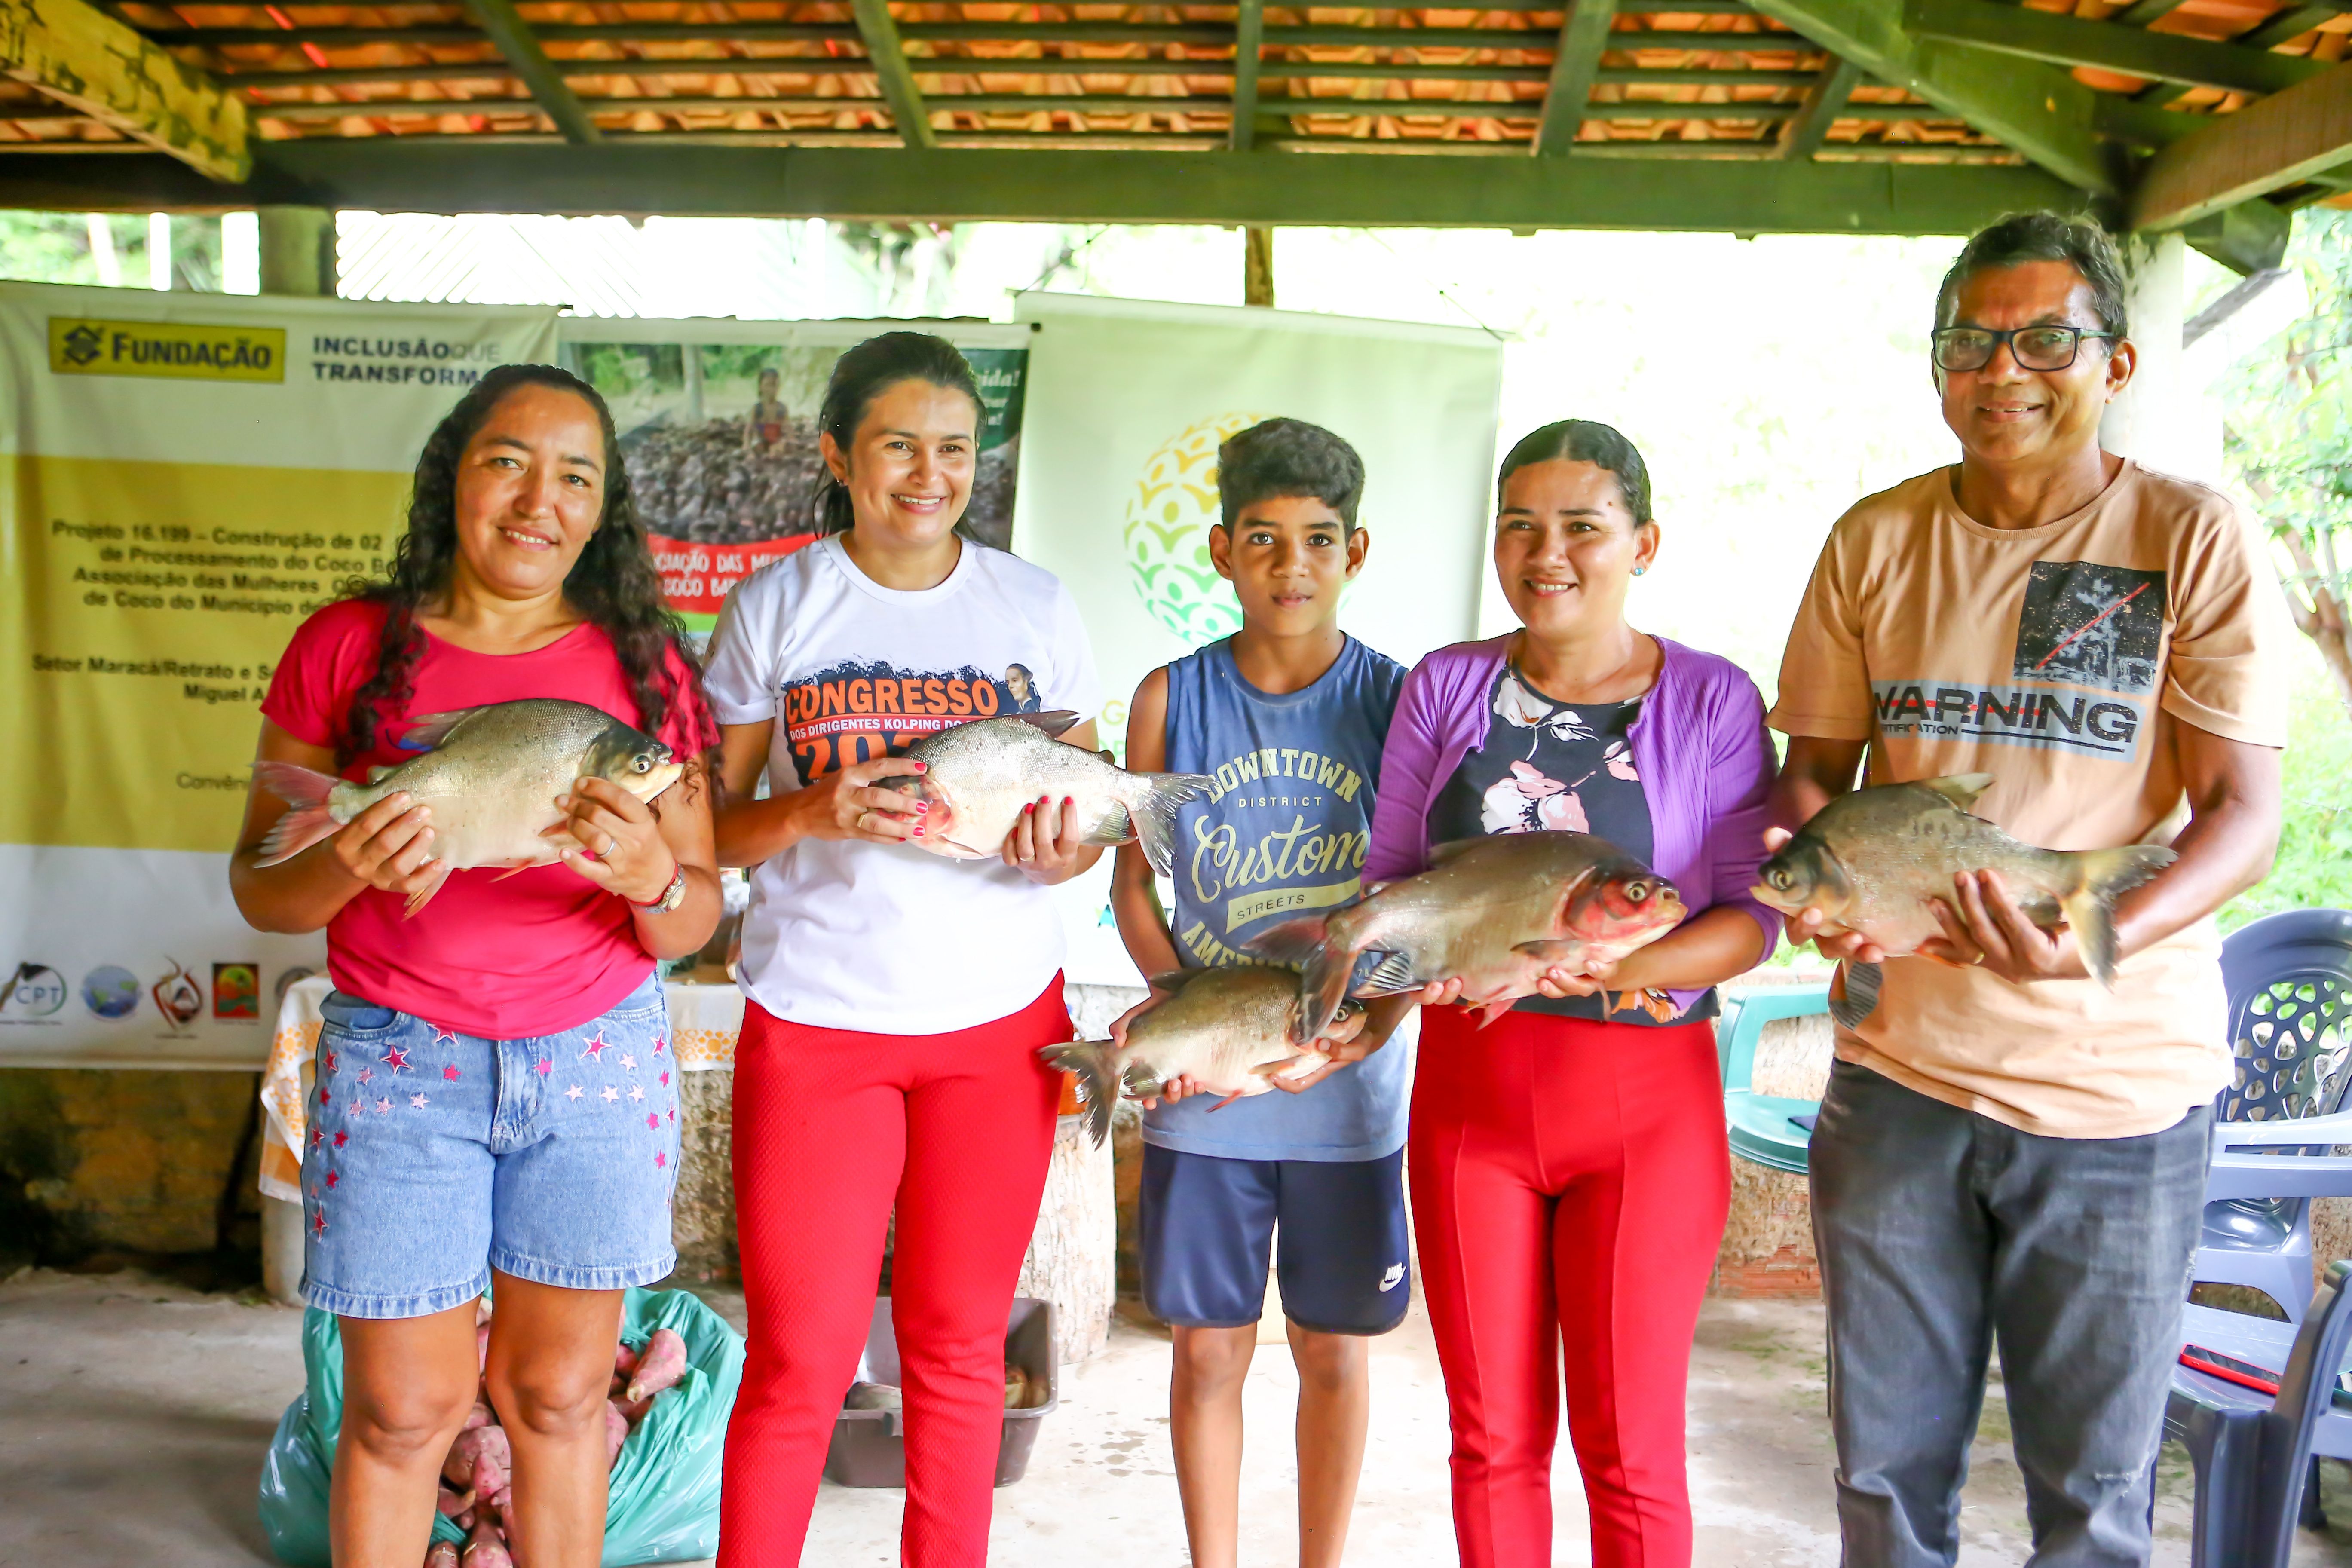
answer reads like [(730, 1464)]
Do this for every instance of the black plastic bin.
[(867, 1447)]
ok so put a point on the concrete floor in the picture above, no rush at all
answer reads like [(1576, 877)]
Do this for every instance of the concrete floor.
[(136, 1413)]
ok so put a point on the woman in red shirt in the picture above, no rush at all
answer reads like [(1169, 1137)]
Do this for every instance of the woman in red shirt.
[(496, 1094)]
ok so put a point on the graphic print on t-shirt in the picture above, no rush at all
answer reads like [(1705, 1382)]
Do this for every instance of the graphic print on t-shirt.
[(2090, 625), (853, 712), (1279, 825), (2090, 638)]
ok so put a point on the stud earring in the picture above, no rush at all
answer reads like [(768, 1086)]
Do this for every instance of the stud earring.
[(1638, 570)]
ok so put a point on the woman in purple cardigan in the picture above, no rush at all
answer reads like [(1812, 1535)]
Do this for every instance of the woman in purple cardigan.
[(1568, 1165)]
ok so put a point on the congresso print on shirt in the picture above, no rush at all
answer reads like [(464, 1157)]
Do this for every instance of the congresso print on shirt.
[(853, 712), (1282, 834), (2090, 650)]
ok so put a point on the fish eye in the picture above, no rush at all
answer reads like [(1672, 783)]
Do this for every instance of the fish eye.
[(1778, 877), (643, 764), (1638, 891)]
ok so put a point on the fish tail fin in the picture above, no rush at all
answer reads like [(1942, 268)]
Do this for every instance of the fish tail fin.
[(1325, 967), (305, 792), (1089, 1061), (1154, 815), (2091, 908)]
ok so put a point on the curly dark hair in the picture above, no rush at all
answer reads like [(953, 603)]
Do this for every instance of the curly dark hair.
[(614, 584), (1584, 441), (865, 373), (1288, 458)]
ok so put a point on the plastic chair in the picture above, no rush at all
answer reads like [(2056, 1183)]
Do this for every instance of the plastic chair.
[(1764, 1127), (2290, 985), (2254, 1446)]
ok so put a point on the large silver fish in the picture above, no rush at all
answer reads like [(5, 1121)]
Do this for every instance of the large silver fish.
[(1877, 860), (1228, 1030), (1496, 911), (491, 776), (979, 776)]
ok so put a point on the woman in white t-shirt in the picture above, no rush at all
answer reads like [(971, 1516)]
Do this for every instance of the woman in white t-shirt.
[(896, 999)]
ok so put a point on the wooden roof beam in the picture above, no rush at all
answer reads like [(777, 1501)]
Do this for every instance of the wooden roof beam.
[(1249, 39), (95, 66), (879, 33), (2270, 143), (513, 36), (1025, 184), (1584, 33), (2037, 110), (2127, 51), (1824, 106)]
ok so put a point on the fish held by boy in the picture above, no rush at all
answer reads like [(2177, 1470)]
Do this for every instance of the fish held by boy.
[(490, 774), (1230, 1031), (1497, 913), (1874, 862), (979, 777)]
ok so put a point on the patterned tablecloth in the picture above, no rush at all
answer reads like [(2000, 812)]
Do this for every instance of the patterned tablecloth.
[(704, 1021)]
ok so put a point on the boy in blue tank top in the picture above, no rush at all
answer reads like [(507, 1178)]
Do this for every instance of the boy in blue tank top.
[(1289, 715)]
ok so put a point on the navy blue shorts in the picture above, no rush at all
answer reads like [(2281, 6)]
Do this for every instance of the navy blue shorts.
[(1208, 1223)]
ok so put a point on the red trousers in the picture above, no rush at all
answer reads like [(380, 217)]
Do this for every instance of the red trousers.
[(1569, 1183), (832, 1128)]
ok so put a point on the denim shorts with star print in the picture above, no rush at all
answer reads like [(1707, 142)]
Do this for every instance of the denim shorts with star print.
[(434, 1157)]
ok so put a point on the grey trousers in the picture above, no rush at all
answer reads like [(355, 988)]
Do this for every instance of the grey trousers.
[(1939, 1231)]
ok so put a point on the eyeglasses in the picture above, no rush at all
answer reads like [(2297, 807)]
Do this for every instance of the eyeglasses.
[(2033, 348)]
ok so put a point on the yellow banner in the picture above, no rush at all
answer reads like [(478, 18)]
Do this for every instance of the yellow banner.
[(150, 603), (179, 350), (1289, 900)]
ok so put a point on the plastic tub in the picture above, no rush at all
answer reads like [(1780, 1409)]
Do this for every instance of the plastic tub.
[(868, 1447)]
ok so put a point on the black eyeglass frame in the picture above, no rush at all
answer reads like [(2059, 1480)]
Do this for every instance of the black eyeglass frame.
[(1935, 340)]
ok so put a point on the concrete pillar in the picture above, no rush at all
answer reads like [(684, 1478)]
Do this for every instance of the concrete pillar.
[(282, 1250), (2160, 420), (298, 251)]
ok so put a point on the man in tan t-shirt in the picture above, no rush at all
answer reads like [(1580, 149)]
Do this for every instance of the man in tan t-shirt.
[(2006, 1147)]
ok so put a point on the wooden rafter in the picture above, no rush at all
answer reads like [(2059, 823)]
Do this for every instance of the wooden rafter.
[(1249, 39), (513, 36), (879, 32), (2269, 144), (1584, 33), (2040, 110), (1803, 135), (2127, 51), (89, 61)]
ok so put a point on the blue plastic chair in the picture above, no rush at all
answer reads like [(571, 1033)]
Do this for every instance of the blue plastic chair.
[(2290, 985), (1764, 1127), (2255, 1451)]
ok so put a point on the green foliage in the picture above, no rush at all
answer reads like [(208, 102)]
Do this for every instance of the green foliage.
[(2288, 436), (2313, 869)]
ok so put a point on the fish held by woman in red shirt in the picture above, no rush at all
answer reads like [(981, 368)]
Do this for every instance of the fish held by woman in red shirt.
[(1497, 913), (490, 776)]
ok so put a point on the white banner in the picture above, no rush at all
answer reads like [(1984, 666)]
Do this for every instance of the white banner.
[(1128, 402), (187, 476)]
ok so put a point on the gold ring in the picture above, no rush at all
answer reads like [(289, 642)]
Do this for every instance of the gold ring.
[(864, 822)]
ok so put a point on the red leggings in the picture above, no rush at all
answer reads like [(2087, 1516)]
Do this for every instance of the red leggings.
[(1570, 1183), (831, 1127)]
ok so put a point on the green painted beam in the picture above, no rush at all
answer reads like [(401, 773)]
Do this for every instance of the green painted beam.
[(2040, 110), (879, 33), (2270, 145), (2144, 11), (1249, 34), (1803, 135), (1340, 190), (2287, 24), (2129, 51), (1584, 33), (513, 36)]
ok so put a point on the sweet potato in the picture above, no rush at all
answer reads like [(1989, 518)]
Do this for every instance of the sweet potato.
[(451, 1504), (616, 1432), (624, 1359), (481, 1415), (481, 1347), (441, 1554), (486, 1549), (634, 1409), (660, 1366), (479, 1459)]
